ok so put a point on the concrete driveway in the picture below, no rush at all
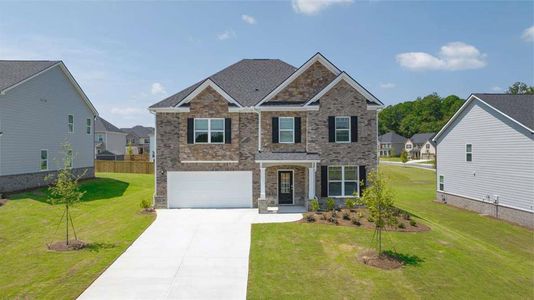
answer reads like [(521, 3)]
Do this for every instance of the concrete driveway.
[(186, 254)]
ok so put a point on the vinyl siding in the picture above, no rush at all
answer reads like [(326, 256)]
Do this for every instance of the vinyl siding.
[(503, 158), (33, 116), (115, 142)]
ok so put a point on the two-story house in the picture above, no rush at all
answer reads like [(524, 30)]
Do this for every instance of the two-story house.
[(138, 139), (391, 144), (42, 108), (264, 130), (110, 141), (421, 146)]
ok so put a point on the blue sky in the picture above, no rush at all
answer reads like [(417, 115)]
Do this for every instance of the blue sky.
[(127, 56)]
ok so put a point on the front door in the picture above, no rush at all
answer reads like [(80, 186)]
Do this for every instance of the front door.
[(285, 187)]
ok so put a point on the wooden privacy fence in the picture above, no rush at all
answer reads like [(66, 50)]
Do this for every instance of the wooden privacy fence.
[(122, 166)]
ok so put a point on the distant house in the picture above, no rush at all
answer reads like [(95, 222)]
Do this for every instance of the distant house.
[(486, 157), (110, 141), (390, 144), (138, 137), (42, 107), (421, 146)]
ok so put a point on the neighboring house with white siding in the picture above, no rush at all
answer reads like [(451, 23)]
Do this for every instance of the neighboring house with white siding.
[(110, 141), (42, 108), (421, 146), (485, 157)]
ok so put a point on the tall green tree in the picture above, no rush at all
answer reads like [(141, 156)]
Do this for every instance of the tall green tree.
[(519, 88)]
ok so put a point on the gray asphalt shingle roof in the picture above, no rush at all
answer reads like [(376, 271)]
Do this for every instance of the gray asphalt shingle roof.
[(15, 71), (103, 125), (421, 138), (140, 131), (392, 137), (517, 107), (247, 81), (286, 156)]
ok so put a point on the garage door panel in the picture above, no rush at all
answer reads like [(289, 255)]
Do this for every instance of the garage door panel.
[(209, 189)]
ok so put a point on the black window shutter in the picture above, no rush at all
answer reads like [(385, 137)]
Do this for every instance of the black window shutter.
[(324, 181), (354, 129), (228, 130), (275, 130), (298, 130), (363, 179), (332, 129), (190, 128)]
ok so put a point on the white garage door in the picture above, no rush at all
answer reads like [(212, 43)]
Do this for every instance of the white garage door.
[(211, 189)]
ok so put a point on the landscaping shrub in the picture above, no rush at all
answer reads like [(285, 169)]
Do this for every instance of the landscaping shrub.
[(330, 204), (346, 216), (356, 222), (333, 219), (406, 216), (401, 226), (145, 203), (350, 203), (413, 223), (370, 219), (334, 214), (314, 205), (310, 218)]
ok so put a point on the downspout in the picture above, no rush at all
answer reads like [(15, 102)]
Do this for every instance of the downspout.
[(259, 127), (155, 159)]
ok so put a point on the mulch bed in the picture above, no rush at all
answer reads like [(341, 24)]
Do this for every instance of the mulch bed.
[(147, 211), (326, 218), (62, 246), (384, 261)]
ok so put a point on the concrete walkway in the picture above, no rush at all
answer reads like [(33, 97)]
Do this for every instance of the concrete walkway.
[(186, 254)]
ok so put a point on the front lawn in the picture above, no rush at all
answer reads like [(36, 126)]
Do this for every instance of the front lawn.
[(464, 256), (390, 158), (107, 218)]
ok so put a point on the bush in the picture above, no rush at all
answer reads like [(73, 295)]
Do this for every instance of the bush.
[(346, 216), (310, 218), (333, 220), (413, 223), (334, 214), (314, 205), (406, 216), (330, 204), (145, 203), (356, 222), (350, 203), (401, 226), (370, 219)]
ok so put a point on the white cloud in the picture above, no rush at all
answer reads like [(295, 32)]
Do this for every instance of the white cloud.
[(496, 89), (451, 57), (157, 89), (248, 19), (227, 34), (313, 7), (387, 85), (528, 34)]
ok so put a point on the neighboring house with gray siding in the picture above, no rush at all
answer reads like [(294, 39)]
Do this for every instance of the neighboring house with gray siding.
[(264, 133), (110, 141), (41, 108), (138, 138), (390, 144), (485, 157)]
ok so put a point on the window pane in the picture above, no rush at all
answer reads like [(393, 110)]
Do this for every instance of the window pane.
[(217, 124), (201, 137), (469, 157), (350, 188), (44, 165), (334, 173), (342, 123), (342, 135), (217, 137), (334, 189), (286, 123), (44, 154), (201, 124), (71, 119), (350, 173), (286, 136), (468, 147), (88, 122)]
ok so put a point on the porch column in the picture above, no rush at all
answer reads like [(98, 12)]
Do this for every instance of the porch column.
[(311, 182), (262, 183)]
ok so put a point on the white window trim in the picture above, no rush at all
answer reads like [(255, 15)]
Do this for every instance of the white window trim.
[(280, 130), (89, 126), (209, 131), (41, 160), (71, 159), (335, 130), (343, 181), (68, 123), (440, 183), (468, 152)]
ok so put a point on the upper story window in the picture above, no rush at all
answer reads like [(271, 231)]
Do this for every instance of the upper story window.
[(342, 130), (428, 146), (468, 152), (209, 131), (99, 138), (44, 160), (286, 130), (70, 120), (342, 181), (408, 146), (441, 183), (88, 126)]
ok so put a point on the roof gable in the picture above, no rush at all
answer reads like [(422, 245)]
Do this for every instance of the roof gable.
[(391, 137), (204, 85), (103, 125), (421, 138)]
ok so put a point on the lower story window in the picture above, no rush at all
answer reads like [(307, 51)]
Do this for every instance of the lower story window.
[(343, 181), (68, 159), (441, 183), (44, 160)]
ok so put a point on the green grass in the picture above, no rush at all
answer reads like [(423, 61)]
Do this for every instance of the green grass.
[(392, 158), (465, 256), (107, 218)]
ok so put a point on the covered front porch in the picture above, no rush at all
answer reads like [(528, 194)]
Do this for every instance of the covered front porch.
[(286, 180)]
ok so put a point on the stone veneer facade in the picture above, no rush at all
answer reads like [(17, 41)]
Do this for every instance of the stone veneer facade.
[(172, 148), (21, 182)]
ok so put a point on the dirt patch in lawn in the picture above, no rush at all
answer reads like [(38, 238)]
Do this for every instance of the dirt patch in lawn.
[(3, 202), (62, 246), (383, 261), (360, 218)]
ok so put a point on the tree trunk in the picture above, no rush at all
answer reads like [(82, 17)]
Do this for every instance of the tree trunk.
[(67, 208)]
